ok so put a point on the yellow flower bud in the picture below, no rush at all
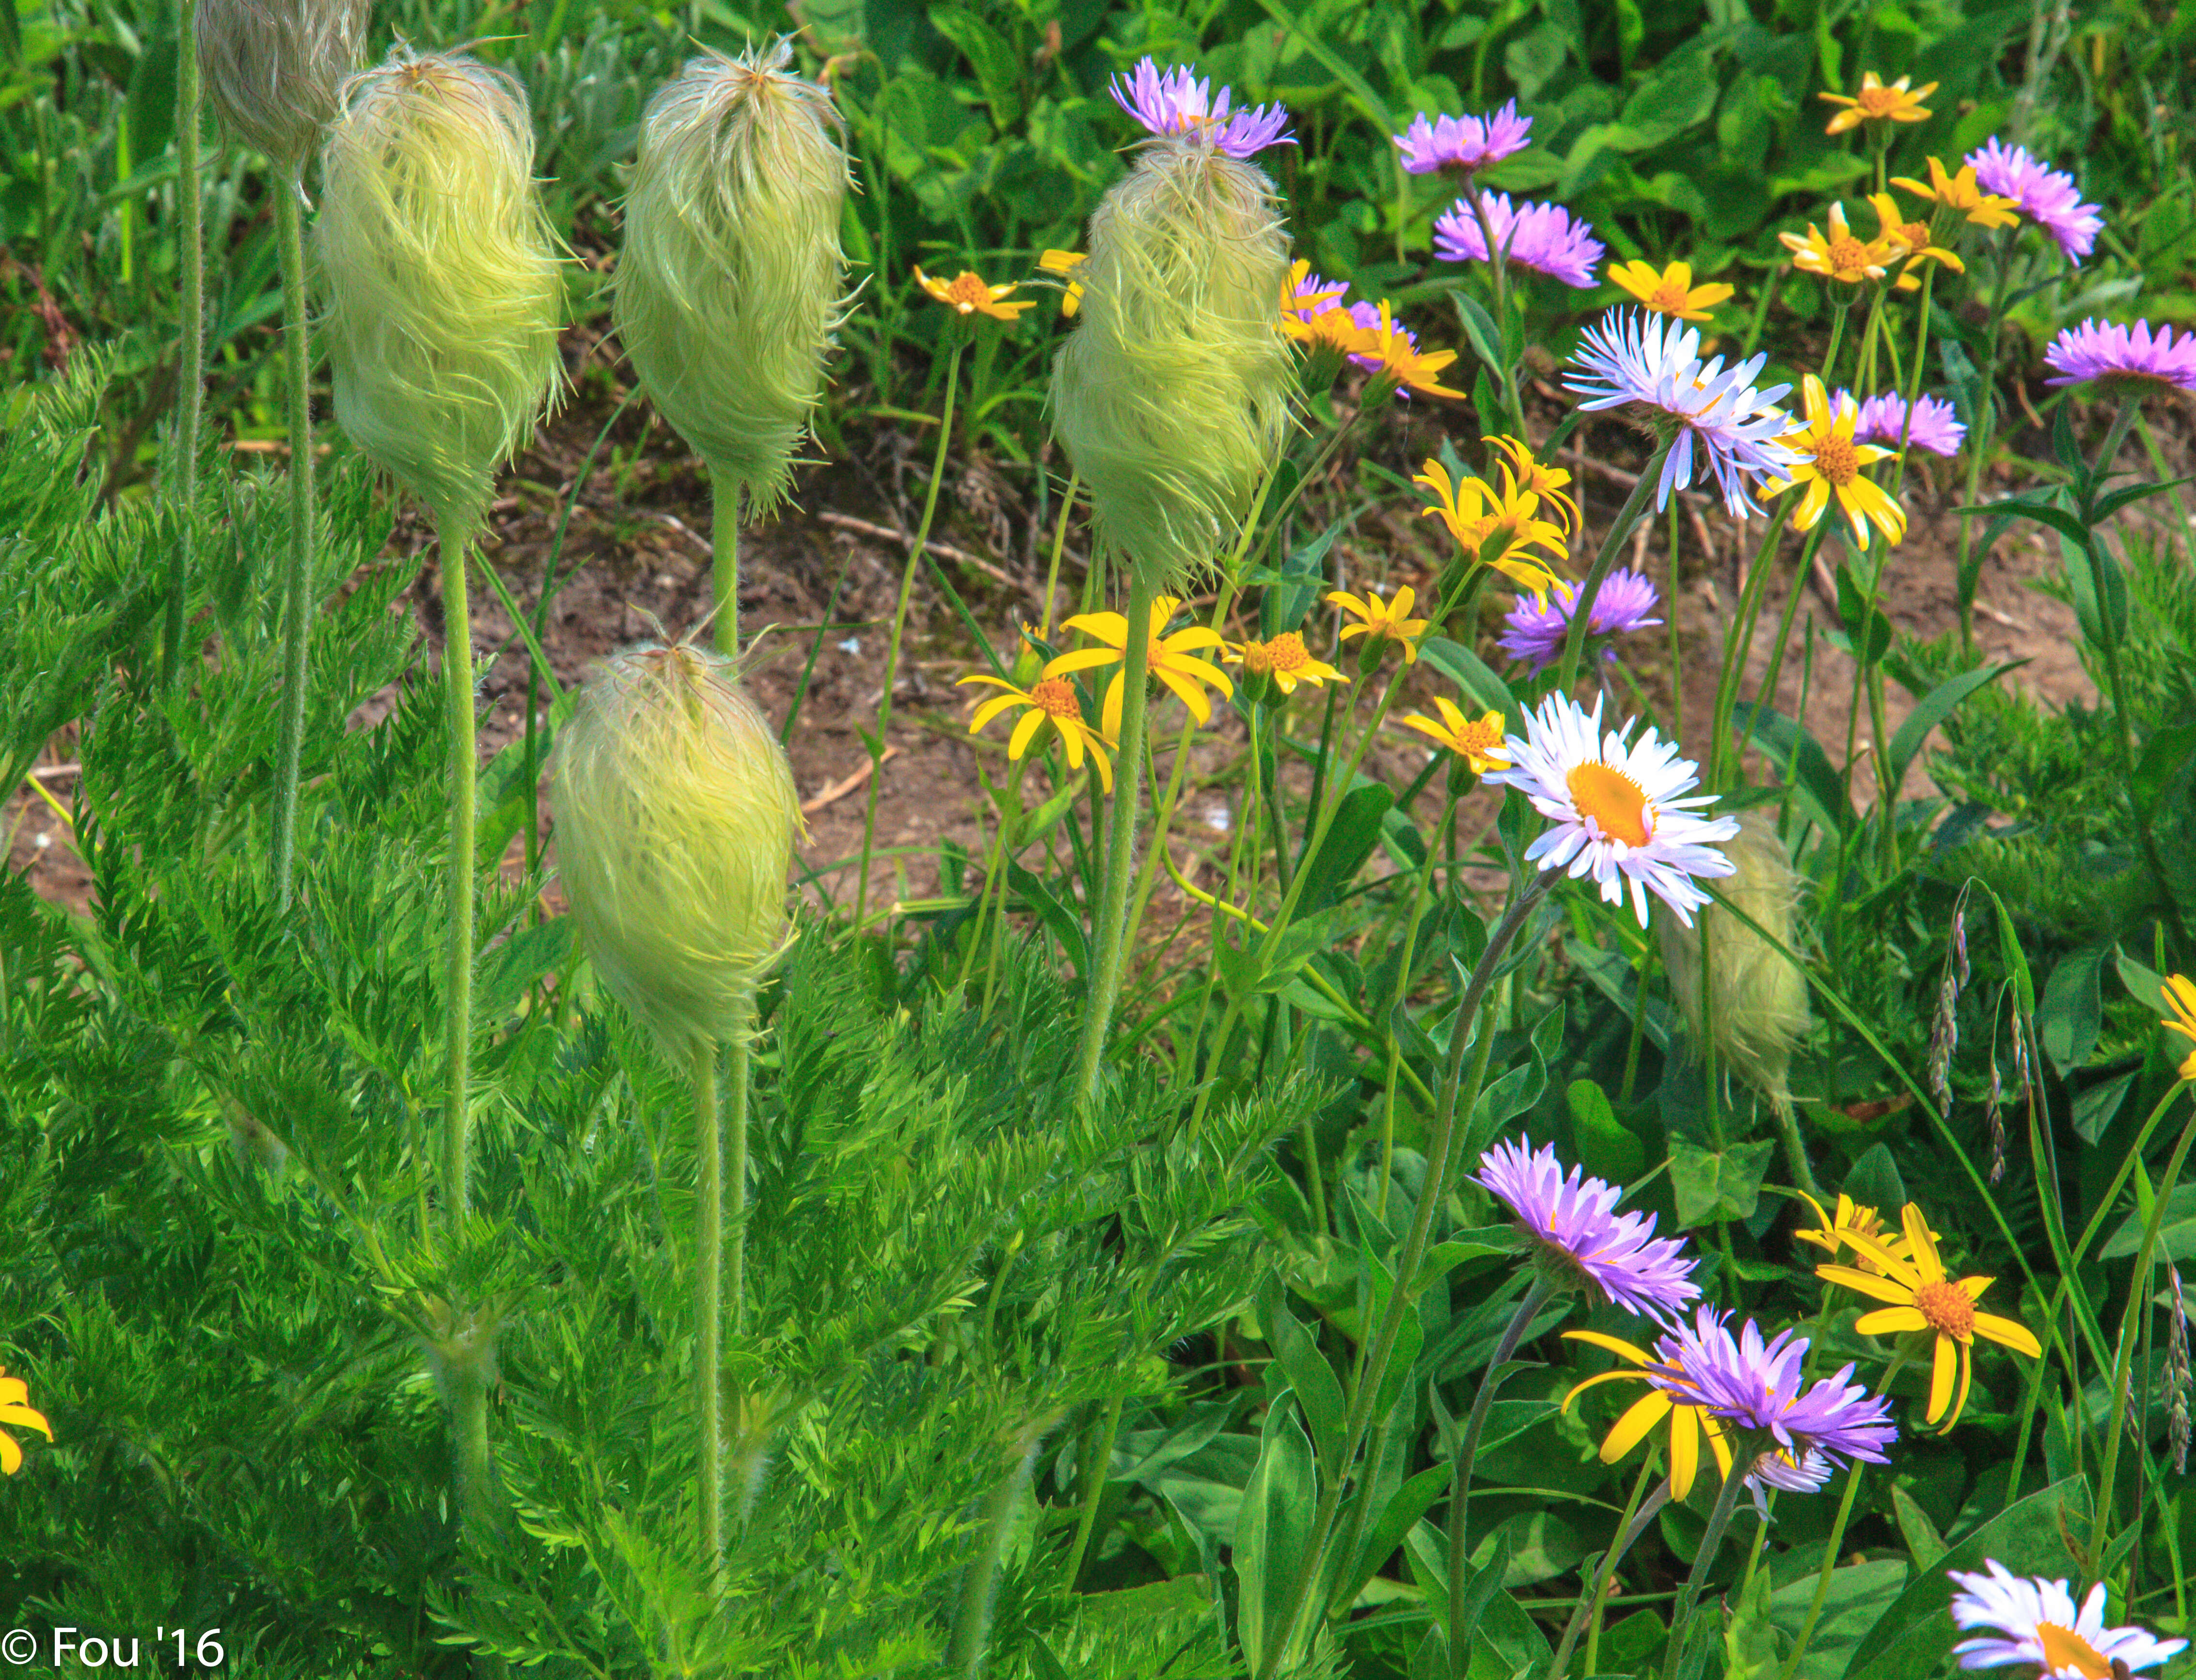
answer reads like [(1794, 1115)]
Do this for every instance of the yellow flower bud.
[(1759, 999), (272, 69), (729, 284), (1172, 393), (443, 292), (676, 816)]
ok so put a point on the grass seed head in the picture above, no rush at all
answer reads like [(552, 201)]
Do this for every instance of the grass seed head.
[(676, 816), (730, 284), (1759, 999), (1172, 393), (444, 295), (272, 69)]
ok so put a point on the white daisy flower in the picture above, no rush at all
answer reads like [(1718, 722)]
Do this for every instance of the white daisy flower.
[(1616, 809), (2044, 1631)]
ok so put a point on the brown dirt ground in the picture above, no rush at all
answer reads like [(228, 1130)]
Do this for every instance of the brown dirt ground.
[(638, 541)]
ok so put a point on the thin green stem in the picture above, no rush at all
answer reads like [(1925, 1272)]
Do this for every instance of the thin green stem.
[(1587, 1616), (742, 1071), (899, 629), (1093, 1478), (708, 1274), (1420, 892), (1467, 1452), (1497, 271), (1059, 543), (297, 569), (1739, 644), (1837, 1534), (1633, 510), (457, 905), (965, 1655), (190, 379), (1745, 1451), (1982, 423), (1111, 928), (725, 564)]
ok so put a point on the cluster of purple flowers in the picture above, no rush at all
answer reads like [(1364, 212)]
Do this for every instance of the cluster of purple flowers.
[(2046, 196), (1750, 1384), (1541, 237), (1882, 420), (1536, 634)]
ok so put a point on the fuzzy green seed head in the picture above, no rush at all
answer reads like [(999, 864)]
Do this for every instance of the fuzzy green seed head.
[(676, 816), (729, 287), (443, 292), (1172, 394), (272, 69), (1759, 999)]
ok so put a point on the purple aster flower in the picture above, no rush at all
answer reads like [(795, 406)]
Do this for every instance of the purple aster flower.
[(1465, 143), (1536, 634), (1757, 1386), (2046, 196), (1580, 1238), (2042, 1630), (1179, 103), (1540, 237), (2126, 360), (1882, 420), (1651, 364)]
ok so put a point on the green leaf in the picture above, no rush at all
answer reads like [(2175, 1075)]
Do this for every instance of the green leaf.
[(1873, 1182), (1349, 842), (1405, 1510), (1608, 1150), (507, 970), (1939, 704), (1060, 921), (1271, 1531), (2176, 1233), (999, 68), (1924, 1545), (1804, 763), (1310, 1377), (2045, 513), (1473, 676), (1314, 43), (1913, 1640), (1869, 630), (1291, 592), (2167, 756), (1479, 328), (1859, 1595), (1717, 1185), (2066, 1024)]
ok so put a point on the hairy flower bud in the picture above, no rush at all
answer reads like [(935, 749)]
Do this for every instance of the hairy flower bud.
[(1172, 393), (676, 815), (444, 297), (272, 69), (729, 284), (1759, 999)]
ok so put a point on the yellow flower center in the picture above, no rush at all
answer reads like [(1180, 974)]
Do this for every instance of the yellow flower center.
[(1669, 298), (1054, 696), (1847, 257), (1286, 652), (1837, 460), (1880, 101), (2063, 1649), (1614, 800), (1258, 657), (1916, 235), (1481, 735), (1946, 1307), (967, 292)]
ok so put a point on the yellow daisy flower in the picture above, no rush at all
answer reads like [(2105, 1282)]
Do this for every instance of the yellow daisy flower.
[(1671, 292), (1382, 620), (1960, 192), (16, 1409), (1893, 228), (1688, 1424), (1829, 465), (1840, 257), (1923, 1298), (1402, 362), (1064, 262), (1477, 740), (1167, 659), (1831, 1230), (1493, 529), (968, 293), (1544, 480), (1285, 659), (1875, 103), (2181, 998), (1049, 701)]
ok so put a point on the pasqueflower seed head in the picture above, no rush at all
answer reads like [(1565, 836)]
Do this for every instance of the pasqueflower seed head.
[(731, 282), (676, 816), (443, 295), (1171, 395), (272, 69), (1578, 1236)]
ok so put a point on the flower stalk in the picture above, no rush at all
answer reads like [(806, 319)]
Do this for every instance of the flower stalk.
[(298, 562), (190, 388), (1634, 510)]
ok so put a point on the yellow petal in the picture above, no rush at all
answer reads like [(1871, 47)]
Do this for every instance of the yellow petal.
[(2008, 1333), (1891, 1289), (1942, 1371), (1594, 1338), (1922, 1243), (1890, 1321), (1631, 1428), (1684, 1449), (1025, 732)]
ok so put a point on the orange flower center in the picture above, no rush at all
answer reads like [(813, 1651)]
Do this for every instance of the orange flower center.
[(1880, 101), (1614, 800), (1259, 658), (1286, 652), (1847, 257), (1837, 460), (1054, 696), (966, 292), (1916, 235), (1946, 1307), (1482, 735), (1669, 298), (2063, 1649)]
